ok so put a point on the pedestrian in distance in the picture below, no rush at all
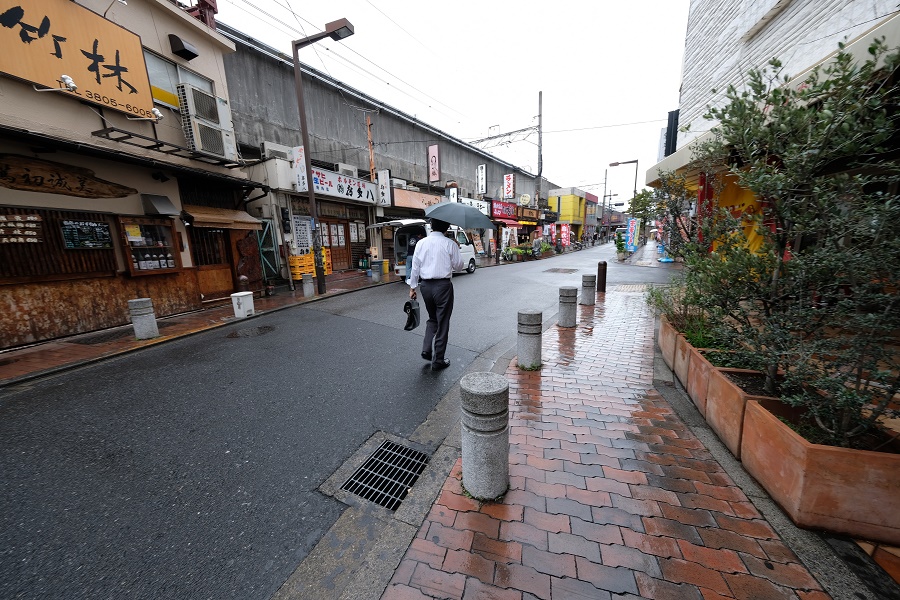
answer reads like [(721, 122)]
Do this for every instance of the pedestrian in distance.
[(434, 262), (410, 252)]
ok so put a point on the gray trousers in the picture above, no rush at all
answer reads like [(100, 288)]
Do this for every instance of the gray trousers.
[(438, 297)]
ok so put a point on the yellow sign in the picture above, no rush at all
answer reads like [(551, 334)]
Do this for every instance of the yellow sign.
[(42, 40)]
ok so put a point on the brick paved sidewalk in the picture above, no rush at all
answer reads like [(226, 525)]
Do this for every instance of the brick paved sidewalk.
[(611, 495)]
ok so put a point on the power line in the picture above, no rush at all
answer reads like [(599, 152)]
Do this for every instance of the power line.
[(349, 62), (607, 126)]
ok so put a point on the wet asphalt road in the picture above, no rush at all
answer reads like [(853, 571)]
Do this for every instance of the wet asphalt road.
[(189, 469)]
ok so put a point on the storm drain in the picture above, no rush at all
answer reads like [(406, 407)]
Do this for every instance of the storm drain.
[(560, 270), (387, 476), (251, 331)]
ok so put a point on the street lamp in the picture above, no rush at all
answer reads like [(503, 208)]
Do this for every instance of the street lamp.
[(628, 162), (336, 30)]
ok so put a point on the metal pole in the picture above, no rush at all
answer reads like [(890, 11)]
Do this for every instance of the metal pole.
[(307, 150)]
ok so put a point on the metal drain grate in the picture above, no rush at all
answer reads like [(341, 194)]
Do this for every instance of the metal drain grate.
[(560, 270), (387, 476), (251, 331)]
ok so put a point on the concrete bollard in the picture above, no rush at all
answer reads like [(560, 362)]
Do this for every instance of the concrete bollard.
[(308, 288), (485, 434), (568, 298), (528, 346), (588, 290), (601, 277), (143, 319)]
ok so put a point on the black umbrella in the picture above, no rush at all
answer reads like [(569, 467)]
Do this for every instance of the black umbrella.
[(461, 215)]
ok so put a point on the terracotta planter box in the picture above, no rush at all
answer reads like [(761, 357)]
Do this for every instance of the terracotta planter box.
[(725, 403), (682, 361), (853, 492), (698, 378), (666, 341)]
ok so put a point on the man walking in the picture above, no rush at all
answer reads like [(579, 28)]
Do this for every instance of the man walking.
[(435, 259)]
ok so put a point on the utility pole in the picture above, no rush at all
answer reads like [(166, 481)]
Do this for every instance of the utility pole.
[(537, 185), (371, 148)]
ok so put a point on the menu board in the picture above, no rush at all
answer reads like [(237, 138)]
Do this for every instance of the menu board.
[(82, 235)]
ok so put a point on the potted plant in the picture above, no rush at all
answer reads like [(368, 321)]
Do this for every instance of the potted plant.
[(620, 246), (804, 287)]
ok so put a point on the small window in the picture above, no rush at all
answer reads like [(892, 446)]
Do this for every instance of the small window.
[(166, 75)]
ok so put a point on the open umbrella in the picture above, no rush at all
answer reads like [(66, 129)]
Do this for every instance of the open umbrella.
[(461, 215)]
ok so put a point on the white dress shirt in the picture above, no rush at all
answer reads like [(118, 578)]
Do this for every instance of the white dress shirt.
[(436, 257)]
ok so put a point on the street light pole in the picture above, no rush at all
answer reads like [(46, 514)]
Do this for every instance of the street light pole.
[(336, 30), (628, 162)]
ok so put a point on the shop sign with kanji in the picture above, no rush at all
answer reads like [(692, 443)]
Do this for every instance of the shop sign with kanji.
[(509, 186), (41, 40), (336, 185)]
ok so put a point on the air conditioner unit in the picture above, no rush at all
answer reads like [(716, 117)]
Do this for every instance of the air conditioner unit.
[(273, 150), (345, 169), (206, 121), (412, 188), (399, 183)]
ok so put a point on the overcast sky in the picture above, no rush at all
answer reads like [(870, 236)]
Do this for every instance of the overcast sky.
[(609, 72)]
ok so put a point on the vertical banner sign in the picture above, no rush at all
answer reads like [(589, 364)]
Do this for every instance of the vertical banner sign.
[(42, 40), (454, 195), (434, 164), (481, 180), (299, 164), (509, 186), (384, 188), (564, 234), (631, 236)]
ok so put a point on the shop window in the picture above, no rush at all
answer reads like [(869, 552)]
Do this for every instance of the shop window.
[(149, 245), (166, 75), (208, 246)]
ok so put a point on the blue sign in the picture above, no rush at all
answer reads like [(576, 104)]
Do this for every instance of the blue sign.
[(631, 235)]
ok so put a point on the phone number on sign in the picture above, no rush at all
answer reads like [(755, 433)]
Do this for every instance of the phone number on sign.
[(113, 103)]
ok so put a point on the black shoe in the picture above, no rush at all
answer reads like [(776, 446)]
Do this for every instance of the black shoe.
[(427, 356), (440, 365)]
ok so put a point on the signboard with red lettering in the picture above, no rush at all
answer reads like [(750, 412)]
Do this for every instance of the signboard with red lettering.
[(509, 186), (631, 235), (564, 233)]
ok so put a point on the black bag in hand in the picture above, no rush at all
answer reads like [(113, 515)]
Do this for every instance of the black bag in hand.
[(411, 308)]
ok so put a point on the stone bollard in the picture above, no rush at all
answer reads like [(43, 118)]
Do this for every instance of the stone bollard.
[(485, 434), (308, 289), (143, 318), (601, 277), (528, 346), (588, 290), (568, 298)]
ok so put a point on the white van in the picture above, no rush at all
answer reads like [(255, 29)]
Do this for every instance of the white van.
[(404, 228)]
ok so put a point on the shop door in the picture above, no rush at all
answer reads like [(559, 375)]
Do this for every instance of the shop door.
[(268, 251), (336, 239), (211, 253)]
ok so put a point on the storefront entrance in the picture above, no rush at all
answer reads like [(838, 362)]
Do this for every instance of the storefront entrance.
[(335, 237)]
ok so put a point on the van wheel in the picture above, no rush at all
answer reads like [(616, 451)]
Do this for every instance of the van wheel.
[(471, 267)]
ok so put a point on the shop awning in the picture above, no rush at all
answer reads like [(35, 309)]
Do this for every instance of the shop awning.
[(221, 218), (158, 205), (507, 222)]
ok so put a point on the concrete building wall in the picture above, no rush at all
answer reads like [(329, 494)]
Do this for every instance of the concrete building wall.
[(264, 108), (726, 38)]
